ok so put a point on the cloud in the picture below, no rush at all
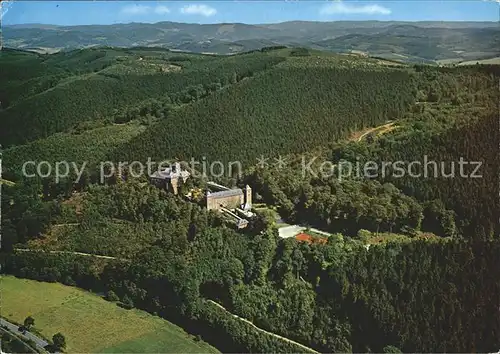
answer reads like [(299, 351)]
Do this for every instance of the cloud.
[(203, 10), (162, 10), (4, 8), (136, 10), (340, 7), (144, 10)]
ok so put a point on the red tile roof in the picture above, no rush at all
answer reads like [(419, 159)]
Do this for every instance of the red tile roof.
[(309, 239)]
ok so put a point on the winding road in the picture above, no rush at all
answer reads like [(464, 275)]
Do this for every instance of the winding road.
[(39, 342), (263, 330), (7, 182), (66, 252), (385, 126)]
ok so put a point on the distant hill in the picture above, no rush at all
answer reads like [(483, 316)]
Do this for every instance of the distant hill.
[(42, 95), (411, 41)]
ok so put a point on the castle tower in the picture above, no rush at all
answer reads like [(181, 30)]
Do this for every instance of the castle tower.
[(210, 201), (174, 182), (248, 197)]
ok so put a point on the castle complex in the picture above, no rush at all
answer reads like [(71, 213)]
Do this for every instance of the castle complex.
[(230, 198), (171, 178), (228, 201)]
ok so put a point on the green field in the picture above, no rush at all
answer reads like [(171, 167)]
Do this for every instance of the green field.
[(90, 323), (491, 61)]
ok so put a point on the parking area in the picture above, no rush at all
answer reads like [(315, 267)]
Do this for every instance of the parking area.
[(290, 231)]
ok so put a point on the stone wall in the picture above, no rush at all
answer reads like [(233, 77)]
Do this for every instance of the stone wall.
[(229, 202)]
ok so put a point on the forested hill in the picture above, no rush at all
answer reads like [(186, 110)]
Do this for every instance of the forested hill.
[(55, 93), (61, 92), (273, 102), (290, 108), (408, 41), (267, 102), (454, 119), (408, 264)]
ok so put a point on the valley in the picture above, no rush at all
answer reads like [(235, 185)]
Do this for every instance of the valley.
[(414, 42)]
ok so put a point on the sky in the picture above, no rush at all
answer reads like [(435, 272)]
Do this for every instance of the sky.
[(251, 11)]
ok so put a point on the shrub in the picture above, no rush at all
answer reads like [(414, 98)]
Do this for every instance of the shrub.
[(111, 296), (127, 302)]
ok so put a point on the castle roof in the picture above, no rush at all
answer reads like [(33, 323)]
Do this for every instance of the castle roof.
[(228, 193), (169, 173)]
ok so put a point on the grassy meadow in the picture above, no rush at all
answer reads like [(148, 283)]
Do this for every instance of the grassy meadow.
[(90, 323)]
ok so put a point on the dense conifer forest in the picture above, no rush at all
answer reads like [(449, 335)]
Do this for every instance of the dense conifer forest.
[(287, 109), (410, 264), (94, 92)]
